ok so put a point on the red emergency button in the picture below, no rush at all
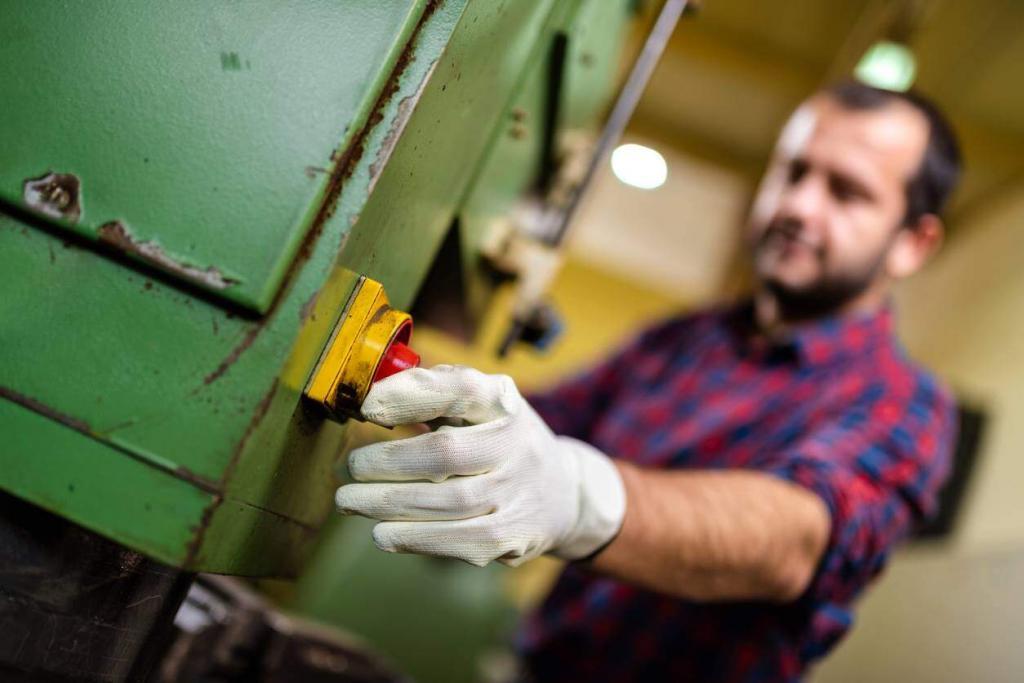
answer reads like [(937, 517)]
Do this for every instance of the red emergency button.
[(398, 357), (370, 342)]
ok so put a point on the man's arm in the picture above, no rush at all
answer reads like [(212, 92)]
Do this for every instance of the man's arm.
[(825, 509), (717, 535)]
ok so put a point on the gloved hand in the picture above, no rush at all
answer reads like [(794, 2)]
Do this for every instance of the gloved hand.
[(501, 487)]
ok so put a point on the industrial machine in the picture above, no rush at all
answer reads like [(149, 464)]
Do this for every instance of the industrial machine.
[(213, 220)]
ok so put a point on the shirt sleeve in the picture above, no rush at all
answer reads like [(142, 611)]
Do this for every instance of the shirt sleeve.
[(878, 468)]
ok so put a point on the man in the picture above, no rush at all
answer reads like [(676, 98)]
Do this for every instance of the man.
[(729, 482)]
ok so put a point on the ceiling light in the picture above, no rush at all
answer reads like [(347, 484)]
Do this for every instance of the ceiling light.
[(887, 65), (639, 166)]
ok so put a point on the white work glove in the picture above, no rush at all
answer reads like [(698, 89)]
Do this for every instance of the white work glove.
[(502, 487)]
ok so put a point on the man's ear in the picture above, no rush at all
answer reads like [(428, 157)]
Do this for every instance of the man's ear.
[(914, 245)]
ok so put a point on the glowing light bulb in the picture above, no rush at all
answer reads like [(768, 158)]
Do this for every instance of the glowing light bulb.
[(639, 166), (887, 65)]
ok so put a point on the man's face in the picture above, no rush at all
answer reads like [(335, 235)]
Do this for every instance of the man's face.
[(833, 200)]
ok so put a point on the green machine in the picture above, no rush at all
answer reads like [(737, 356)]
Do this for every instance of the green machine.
[(189, 194)]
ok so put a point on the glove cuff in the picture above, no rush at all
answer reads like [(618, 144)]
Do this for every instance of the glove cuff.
[(602, 501)]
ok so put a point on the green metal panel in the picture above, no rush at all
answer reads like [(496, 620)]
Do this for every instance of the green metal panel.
[(186, 386), (174, 412), (131, 365), (431, 170), (56, 468), (203, 134), (591, 67), (594, 33), (288, 147), (509, 172), (132, 501)]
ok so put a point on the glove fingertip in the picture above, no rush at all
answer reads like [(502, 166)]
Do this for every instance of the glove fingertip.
[(376, 411), (341, 501), (386, 397), (381, 539), (359, 461)]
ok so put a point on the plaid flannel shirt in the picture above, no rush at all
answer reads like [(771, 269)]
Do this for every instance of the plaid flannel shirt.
[(838, 408)]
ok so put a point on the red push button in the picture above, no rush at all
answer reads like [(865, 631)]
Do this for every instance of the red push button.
[(398, 357)]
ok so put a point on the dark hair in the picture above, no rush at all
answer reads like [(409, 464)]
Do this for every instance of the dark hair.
[(937, 176)]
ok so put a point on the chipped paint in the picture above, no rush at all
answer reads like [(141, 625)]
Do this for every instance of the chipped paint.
[(117, 235), (404, 113), (57, 195)]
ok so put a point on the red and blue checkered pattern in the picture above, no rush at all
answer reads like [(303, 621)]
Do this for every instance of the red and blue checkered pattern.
[(838, 408)]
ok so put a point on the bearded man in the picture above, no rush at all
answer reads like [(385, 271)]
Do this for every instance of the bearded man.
[(725, 485)]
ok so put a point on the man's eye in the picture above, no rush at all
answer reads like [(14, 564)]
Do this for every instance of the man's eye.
[(797, 170), (845, 191)]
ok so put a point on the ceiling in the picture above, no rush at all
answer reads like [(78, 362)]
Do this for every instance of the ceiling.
[(735, 69)]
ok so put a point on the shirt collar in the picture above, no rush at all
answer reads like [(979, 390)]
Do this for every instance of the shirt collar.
[(819, 342)]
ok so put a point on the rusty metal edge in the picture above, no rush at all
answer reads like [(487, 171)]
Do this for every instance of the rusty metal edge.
[(78, 240), (199, 531), (80, 426), (345, 161), (117, 235), (344, 166)]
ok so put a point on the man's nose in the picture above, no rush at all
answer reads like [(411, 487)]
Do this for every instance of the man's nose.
[(803, 200)]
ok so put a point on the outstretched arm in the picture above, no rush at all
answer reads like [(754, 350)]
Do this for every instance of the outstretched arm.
[(503, 487), (717, 535)]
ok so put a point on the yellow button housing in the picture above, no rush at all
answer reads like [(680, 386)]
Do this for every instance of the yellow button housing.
[(347, 366)]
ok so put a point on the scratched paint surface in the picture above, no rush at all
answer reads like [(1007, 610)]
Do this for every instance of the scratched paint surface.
[(205, 131), (177, 388), (195, 391)]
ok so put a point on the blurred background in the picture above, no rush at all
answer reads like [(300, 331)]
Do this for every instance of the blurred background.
[(165, 421), (949, 608)]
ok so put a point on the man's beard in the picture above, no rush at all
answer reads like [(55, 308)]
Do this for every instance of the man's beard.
[(826, 297), (830, 294)]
